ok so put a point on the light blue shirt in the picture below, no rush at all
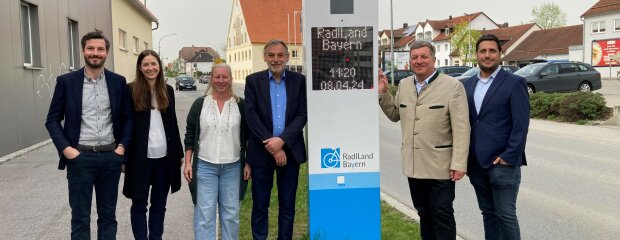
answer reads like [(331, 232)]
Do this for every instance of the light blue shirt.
[(482, 86), (277, 92), (419, 86)]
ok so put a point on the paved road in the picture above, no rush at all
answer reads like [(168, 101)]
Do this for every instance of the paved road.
[(34, 202), (568, 191)]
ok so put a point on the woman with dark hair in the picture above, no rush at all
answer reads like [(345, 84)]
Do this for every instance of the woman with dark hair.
[(154, 161), (215, 156)]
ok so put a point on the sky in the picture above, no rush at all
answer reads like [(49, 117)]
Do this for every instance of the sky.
[(205, 22)]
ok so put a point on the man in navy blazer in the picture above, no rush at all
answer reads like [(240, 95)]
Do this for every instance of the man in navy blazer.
[(499, 114), (97, 112), (276, 115)]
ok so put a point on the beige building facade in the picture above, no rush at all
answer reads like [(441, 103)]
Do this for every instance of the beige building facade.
[(251, 27), (131, 34)]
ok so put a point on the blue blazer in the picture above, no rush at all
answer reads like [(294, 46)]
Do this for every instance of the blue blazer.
[(66, 105), (260, 122), (500, 129)]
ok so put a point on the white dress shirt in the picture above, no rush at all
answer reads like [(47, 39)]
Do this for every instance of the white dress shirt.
[(157, 145), (219, 132)]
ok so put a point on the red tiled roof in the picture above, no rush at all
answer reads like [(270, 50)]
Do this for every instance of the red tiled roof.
[(547, 42), (267, 20), (603, 6), (510, 34), (187, 53), (441, 37), (450, 23), (404, 41)]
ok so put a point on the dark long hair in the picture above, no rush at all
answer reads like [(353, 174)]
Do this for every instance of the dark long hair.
[(140, 90)]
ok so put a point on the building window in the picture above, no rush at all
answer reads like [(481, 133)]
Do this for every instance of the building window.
[(598, 27), (122, 39), (446, 62), (438, 63), (30, 34), (438, 48), (74, 49), (616, 24), (146, 45), (456, 63), (295, 54), (446, 47), (136, 45)]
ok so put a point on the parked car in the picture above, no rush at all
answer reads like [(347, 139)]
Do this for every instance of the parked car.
[(453, 71), (560, 77), (204, 79), (400, 74), (185, 82), (474, 71)]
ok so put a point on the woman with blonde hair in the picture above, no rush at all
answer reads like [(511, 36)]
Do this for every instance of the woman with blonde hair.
[(154, 159), (215, 156)]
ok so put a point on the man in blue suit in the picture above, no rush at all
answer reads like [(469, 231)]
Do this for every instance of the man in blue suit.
[(97, 112), (276, 115), (499, 114)]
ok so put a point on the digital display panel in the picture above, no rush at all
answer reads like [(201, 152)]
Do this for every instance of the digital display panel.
[(342, 58)]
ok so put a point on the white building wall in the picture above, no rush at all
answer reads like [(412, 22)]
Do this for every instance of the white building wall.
[(482, 22), (442, 53), (589, 37), (575, 53)]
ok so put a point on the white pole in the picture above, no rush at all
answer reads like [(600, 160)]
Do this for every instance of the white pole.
[(392, 41)]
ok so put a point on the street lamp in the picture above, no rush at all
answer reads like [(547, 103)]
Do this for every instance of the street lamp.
[(159, 43)]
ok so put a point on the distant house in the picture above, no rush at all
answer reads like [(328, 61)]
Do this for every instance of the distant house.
[(131, 34), (546, 45), (195, 59), (402, 38), (252, 24), (438, 33), (601, 35)]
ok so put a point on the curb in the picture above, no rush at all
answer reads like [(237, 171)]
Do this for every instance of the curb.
[(23, 151), (411, 213)]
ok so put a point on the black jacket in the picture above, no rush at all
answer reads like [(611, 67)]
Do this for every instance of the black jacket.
[(136, 179)]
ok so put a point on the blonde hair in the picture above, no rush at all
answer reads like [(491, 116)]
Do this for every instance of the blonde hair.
[(209, 90)]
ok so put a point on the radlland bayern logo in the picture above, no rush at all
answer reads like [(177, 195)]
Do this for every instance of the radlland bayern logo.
[(330, 157), (334, 158)]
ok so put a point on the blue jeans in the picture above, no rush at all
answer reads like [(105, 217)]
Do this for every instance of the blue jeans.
[(218, 188), (496, 189), (101, 170), (157, 172)]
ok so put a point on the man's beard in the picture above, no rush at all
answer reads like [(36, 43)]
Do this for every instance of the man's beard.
[(93, 65), (488, 69)]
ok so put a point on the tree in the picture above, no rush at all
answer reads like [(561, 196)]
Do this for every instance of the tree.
[(548, 15), (463, 40)]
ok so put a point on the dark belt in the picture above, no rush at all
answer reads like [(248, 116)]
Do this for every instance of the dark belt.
[(101, 148)]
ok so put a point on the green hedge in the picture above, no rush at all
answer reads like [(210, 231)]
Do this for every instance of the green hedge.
[(569, 107)]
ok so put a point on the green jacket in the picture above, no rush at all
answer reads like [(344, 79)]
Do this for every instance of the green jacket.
[(192, 137)]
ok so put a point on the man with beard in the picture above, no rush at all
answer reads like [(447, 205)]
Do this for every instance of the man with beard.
[(97, 111), (499, 113), (432, 109), (275, 110)]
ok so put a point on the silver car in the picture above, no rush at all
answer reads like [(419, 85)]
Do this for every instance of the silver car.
[(560, 77)]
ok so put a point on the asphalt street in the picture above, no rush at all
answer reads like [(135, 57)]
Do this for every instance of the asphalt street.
[(569, 190)]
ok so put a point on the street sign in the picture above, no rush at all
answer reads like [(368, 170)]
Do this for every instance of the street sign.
[(341, 39)]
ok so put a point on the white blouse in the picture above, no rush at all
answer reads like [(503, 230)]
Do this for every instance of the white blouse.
[(219, 132), (157, 145)]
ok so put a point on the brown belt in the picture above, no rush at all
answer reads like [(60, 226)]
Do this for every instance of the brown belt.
[(100, 148)]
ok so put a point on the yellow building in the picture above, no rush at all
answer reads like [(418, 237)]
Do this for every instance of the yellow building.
[(131, 33), (254, 23)]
